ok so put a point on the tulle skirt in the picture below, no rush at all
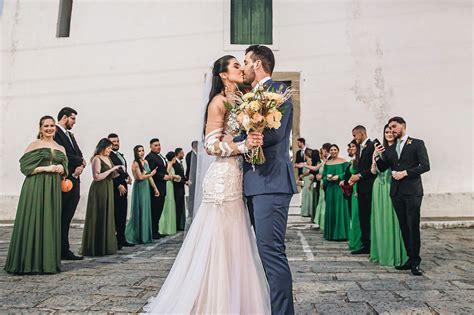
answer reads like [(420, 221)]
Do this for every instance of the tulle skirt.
[(218, 269)]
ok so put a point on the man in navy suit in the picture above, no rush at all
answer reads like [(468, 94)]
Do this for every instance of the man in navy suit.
[(270, 186)]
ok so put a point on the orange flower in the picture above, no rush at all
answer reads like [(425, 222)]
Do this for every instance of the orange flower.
[(256, 118), (274, 119)]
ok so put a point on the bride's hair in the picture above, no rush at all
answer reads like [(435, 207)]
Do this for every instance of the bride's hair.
[(220, 65)]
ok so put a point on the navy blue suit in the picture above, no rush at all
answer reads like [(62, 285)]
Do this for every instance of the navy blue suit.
[(268, 190)]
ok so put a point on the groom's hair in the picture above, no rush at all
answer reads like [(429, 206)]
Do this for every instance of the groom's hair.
[(264, 54), (398, 119)]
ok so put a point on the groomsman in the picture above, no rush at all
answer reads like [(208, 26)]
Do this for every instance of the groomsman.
[(408, 159), (179, 190), (76, 164), (299, 158), (365, 180), (121, 183), (191, 167), (158, 162)]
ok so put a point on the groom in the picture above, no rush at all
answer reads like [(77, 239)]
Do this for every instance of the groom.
[(270, 187)]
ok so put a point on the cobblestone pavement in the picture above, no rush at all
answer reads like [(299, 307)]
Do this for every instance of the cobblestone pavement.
[(327, 279)]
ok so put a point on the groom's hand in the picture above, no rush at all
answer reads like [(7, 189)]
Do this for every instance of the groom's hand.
[(254, 139)]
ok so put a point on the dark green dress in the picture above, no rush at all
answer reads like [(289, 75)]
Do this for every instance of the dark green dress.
[(35, 245), (138, 230), (98, 238), (168, 217), (307, 196), (354, 232), (386, 242), (336, 225)]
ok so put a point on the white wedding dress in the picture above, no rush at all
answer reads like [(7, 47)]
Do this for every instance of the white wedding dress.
[(218, 269)]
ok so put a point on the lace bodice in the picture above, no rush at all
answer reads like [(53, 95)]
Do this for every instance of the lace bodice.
[(223, 180)]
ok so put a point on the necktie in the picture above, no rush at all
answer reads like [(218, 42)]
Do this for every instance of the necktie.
[(398, 147)]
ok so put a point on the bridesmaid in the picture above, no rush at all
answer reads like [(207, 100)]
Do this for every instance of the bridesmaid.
[(307, 191), (321, 205), (35, 246), (354, 231), (98, 238), (386, 242), (168, 217), (138, 230), (336, 225)]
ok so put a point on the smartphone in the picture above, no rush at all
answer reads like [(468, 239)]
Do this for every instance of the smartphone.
[(377, 142)]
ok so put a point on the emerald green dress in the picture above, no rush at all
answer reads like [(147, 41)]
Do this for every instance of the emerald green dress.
[(35, 245), (306, 196), (386, 242), (138, 230), (354, 232), (98, 238), (321, 205), (337, 221), (168, 217)]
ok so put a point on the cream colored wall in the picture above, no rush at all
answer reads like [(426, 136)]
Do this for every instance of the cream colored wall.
[(136, 68)]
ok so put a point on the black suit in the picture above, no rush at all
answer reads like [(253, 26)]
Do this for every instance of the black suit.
[(120, 202), (69, 199), (179, 192), (315, 160), (299, 158), (159, 162), (364, 190), (407, 194)]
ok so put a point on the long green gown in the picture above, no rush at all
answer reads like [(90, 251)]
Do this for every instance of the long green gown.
[(321, 205), (35, 245), (168, 217), (354, 232), (138, 230), (386, 242), (337, 220), (98, 238), (306, 196)]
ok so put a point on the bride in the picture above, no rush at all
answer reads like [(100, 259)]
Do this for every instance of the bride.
[(218, 269)]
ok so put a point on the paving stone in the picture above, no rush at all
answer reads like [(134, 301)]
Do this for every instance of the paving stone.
[(369, 296), (343, 308), (400, 307), (71, 302), (386, 284), (23, 300), (464, 284), (423, 295), (451, 307)]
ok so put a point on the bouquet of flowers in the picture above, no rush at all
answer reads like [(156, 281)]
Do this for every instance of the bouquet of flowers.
[(259, 110)]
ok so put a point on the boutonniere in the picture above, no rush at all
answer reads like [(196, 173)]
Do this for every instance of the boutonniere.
[(409, 141)]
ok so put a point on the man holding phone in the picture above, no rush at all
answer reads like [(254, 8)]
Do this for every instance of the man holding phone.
[(365, 180), (408, 159)]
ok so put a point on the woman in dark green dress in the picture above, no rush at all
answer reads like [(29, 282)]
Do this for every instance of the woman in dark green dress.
[(168, 217), (336, 225), (386, 242), (138, 230), (98, 238), (35, 246), (354, 230)]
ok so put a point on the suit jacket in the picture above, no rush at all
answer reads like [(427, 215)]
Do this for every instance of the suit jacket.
[(276, 174), (73, 153), (179, 186), (122, 179), (364, 164), (414, 159), (299, 158), (188, 164), (154, 161)]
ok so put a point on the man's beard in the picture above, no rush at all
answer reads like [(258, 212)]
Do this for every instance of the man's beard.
[(248, 79), (115, 149)]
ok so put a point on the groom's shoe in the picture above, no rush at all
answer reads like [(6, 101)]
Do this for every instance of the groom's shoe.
[(362, 251), (71, 256), (405, 266), (416, 271)]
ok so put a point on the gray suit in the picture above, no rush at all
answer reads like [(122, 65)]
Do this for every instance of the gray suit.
[(268, 190)]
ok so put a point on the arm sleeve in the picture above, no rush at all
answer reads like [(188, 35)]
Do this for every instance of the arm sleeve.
[(213, 142), (423, 162), (273, 136)]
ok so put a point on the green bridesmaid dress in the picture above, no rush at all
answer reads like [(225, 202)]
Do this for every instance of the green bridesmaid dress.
[(35, 246), (386, 242), (138, 230), (306, 196), (321, 205), (98, 238), (354, 232), (337, 221), (168, 217)]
